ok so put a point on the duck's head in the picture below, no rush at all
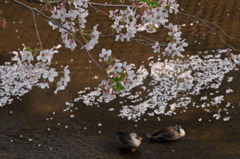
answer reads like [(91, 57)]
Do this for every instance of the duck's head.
[(180, 131), (135, 136)]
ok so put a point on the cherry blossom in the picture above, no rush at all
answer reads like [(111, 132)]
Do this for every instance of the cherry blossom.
[(46, 55), (94, 39), (182, 44), (171, 47), (3, 23), (156, 47), (60, 85), (126, 22), (26, 55), (50, 75), (16, 57), (117, 68), (105, 54), (80, 3), (120, 76), (70, 43), (120, 37), (174, 6), (66, 75), (118, 27), (43, 56), (72, 14), (16, 82), (112, 14), (43, 85)]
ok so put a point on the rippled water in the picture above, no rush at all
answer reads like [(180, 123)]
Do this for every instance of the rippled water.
[(23, 137), (37, 126)]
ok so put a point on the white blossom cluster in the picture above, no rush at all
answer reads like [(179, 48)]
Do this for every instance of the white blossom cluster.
[(126, 24), (73, 19), (173, 78), (30, 68), (120, 75), (174, 85), (16, 81), (95, 97), (176, 44), (43, 61), (139, 16), (124, 20)]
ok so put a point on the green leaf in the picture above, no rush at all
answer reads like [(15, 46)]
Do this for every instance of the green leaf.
[(144, 0), (153, 4), (170, 38), (28, 48), (119, 87), (115, 79), (37, 49), (122, 77), (167, 6), (110, 59)]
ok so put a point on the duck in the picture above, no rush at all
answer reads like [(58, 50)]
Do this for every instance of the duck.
[(129, 140), (169, 133)]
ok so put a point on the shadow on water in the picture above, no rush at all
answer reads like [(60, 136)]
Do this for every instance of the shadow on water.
[(126, 153)]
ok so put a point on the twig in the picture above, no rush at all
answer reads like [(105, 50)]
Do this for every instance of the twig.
[(109, 5), (60, 26), (146, 38), (98, 10), (207, 25), (35, 25), (90, 3)]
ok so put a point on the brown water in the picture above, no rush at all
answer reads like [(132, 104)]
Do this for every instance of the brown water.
[(30, 129)]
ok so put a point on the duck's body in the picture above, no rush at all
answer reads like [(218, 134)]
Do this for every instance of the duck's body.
[(170, 133), (129, 140)]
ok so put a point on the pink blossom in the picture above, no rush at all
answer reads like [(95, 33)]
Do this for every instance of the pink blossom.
[(156, 47), (105, 54)]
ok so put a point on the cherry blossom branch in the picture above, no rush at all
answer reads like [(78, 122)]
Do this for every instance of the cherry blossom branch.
[(90, 3), (205, 22), (36, 29), (59, 25), (98, 10), (192, 17), (43, 15), (140, 41), (109, 5), (208, 25)]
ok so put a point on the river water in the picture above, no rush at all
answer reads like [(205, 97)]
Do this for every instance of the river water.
[(40, 125)]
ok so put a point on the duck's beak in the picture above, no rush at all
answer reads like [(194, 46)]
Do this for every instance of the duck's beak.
[(139, 138), (133, 150)]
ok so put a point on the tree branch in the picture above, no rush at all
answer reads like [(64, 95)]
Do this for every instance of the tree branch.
[(208, 25), (35, 25), (60, 26)]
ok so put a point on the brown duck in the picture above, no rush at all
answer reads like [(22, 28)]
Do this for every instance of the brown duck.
[(129, 140), (169, 133)]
